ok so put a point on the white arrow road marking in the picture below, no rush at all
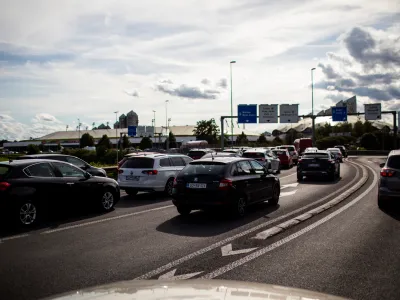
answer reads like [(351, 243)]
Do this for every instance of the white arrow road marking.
[(171, 275), (227, 250), (289, 185), (287, 193)]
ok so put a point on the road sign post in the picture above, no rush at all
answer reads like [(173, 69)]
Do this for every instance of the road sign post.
[(268, 113), (339, 114), (247, 113), (289, 113), (373, 111)]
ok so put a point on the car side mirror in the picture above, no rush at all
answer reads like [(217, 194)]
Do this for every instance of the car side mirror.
[(382, 165), (87, 175)]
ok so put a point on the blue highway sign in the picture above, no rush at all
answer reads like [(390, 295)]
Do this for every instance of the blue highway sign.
[(131, 130), (339, 114), (247, 113)]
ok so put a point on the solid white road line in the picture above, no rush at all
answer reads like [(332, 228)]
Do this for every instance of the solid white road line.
[(287, 239), (243, 233), (13, 237), (105, 220), (287, 175), (284, 194)]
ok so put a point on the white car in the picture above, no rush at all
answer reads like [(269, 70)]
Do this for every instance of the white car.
[(151, 172), (336, 152), (311, 149), (265, 157)]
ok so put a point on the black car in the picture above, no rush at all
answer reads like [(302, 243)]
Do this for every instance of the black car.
[(70, 159), (30, 189), (318, 163), (342, 149), (230, 182), (198, 153)]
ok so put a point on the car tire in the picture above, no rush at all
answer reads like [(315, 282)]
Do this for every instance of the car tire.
[(275, 195), (169, 186), (299, 177), (108, 200), (131, 192), (183, 210), (238, 208), (27, 214)]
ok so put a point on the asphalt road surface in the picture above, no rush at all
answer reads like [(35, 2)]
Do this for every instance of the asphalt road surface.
[(323, 236)]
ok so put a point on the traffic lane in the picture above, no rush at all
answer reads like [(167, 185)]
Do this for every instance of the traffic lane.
[(121, 249), (353, 255)]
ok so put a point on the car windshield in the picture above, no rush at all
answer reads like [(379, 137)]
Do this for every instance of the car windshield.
[(254, 155), (279, 152), (204, 168), (196, 153), (138, 163), (394, 162), (4, 171)]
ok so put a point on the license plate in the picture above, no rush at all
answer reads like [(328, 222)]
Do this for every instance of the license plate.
[(134, 178), (196, 185), (314, 165)]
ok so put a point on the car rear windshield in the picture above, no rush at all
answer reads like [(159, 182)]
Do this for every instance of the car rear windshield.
[(138, 163), (316, 155), (394, 162), (196, 153), (253, 154), (4, 171), (205, 168), (290, 148), (277, 152)]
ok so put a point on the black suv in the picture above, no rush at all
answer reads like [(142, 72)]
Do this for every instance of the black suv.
[(316, 164), (70, 159)]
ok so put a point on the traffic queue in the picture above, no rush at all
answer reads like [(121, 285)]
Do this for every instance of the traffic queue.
[(32, 188)]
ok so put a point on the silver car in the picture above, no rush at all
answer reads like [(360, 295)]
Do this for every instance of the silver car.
[(389, 183)]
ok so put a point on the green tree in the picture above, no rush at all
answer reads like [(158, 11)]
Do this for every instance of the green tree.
[(242, 139), (33, 149), (41, 147), (262, 139), (369, 142), (125, 142), (206, 130), (105, 142), (171, 141), (368, 128), (145, 143), (277, 141), (101, 151), (86, 141), (358, 129)]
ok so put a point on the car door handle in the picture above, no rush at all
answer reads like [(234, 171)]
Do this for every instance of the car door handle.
[(69, 183)]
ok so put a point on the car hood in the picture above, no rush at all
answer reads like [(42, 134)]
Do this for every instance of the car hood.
[(192, 289)]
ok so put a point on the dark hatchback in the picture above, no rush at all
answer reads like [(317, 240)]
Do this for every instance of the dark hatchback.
[(319, 163), (230, 182), (70, 159), (32, 189)]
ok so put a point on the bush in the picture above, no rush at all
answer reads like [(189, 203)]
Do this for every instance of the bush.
[(331, 141), (110, 157), (33, 149)]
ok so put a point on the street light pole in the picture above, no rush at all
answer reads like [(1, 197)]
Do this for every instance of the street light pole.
[(79, 132), (230, 65), (155, 134), (312, 106), (116, 133), (166, 125)]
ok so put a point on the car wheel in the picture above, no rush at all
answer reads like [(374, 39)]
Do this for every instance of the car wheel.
[(169, 186), (107, 200), (239, 207), (27, 214), (299, 177), (183, 210), (276, 191), (131, 192)]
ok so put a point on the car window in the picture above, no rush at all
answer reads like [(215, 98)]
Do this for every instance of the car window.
[(234, 171), (394, 162), (254, 155), (40, 170), (177, 161), (258, 168), (164, 162), (68, 170), (138, 163), (204, 168), (187, 159), (280, 152), (244, 168), (76, 162), (316, 155)]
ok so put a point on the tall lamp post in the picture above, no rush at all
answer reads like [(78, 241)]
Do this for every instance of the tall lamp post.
[(79, 131), (166, 124), (116, 132), (230, 65), (312, 106), (155, 134)]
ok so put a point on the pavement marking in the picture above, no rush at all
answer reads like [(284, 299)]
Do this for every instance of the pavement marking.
[(284, 194), (105, 220), (284, 186), (227, 250), (288, 175), (171, 275), (287, 239), (243, 233), (13, 237)]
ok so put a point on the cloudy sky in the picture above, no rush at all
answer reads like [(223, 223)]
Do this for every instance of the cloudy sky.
[(87, 59)]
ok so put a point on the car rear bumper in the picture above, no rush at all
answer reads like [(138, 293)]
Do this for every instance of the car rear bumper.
[(313, 172), (386, 194), (202, 201), (143, 186)]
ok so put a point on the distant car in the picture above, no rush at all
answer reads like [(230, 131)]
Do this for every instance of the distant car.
[(337, 153), (70, 159), (311, 149), (264, 157), (153, 172), (198, 153), (320, 163), (292, 152), (31, 188), (284, 157), (389, 183), (220, 154), (230, 182), (343, 150)]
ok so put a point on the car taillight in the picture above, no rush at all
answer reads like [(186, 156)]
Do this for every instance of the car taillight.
[(225, 184), (120, 171), (385, 172), (4, 186), (150, 172), (299, 160), (175, 182), (331, 161)]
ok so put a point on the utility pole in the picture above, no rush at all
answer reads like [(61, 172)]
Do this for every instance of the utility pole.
[(116, 133), (166, 125), (155, 134), (230, 65), (312, 106)]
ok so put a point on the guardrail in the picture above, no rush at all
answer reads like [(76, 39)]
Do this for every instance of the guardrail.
[(368, 152)]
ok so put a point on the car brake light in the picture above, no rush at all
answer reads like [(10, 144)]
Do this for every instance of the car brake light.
[(225, 184), (385, 172), (299, 160), (150, 172), (175, 182), (4, 186), (331, 161)]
